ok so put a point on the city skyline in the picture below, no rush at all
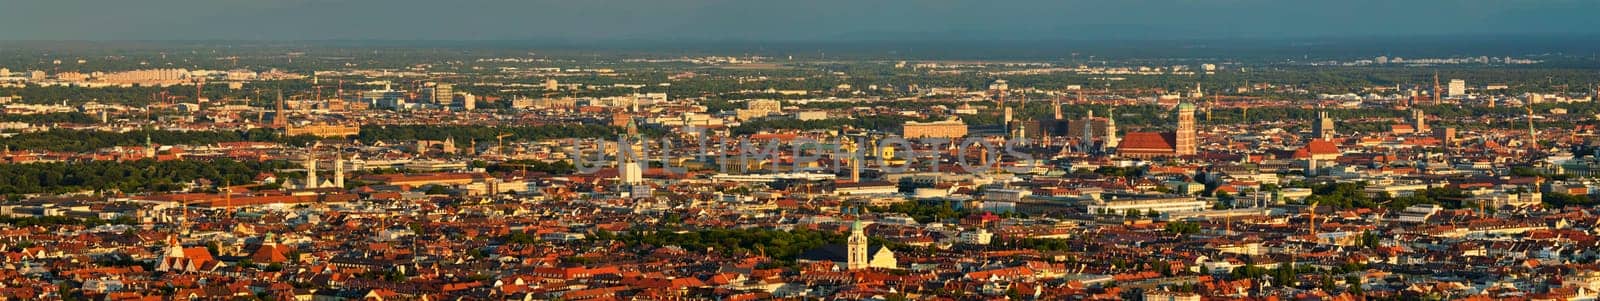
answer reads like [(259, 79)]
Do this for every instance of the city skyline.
[(620, 20), (1157, 150)]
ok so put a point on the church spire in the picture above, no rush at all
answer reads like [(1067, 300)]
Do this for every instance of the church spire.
[(1111, 130), (856, 247), (149, 147), (311, 167)]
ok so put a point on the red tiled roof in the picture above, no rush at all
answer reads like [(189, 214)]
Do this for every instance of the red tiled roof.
[(1321, 147), (1148, 141)]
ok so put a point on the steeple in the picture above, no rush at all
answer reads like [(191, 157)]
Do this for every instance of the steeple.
[(311, 167), (149, 147), (856, 247), (174, 248), (1111, 130), (1323, 128), (1185, 135), (278, 118), (338, 170), (1533, 135), (632, 128)]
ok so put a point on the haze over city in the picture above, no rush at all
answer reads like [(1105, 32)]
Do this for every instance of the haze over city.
[(609, 20)]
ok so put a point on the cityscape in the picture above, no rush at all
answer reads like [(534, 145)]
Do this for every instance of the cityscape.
[(349, 162)]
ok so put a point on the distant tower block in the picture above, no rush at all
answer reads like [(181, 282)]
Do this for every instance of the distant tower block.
[(855, 168), (443, 94), (1088, 132), (1439, 92), (1007, 113)]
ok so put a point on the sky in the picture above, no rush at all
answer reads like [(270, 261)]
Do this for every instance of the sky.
[(772, 20)]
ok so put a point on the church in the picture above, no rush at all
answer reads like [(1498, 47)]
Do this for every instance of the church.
[(1180, 142), (855, 254), (178, 259), (312, 181)]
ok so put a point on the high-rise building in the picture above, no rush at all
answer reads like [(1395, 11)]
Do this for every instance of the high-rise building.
[(1458, 88), (468, 101), (442, 94), (1088, 132), (1005, 118)]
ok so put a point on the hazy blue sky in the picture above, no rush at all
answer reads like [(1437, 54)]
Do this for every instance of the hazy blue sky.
[(602, 20)]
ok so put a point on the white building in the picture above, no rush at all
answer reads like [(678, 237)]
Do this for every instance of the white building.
[(1161, 204), (1458, 88), (978, 237)]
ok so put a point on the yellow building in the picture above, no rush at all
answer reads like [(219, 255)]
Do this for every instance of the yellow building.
[(951, 129), (324, 130)]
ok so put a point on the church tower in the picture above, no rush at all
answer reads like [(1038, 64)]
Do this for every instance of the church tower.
[(1323, 129), (338, 170), (1111, 131), (311, 168), (149, 147), (856, 247), (279, 120), (1419, 120), (1184, 141)]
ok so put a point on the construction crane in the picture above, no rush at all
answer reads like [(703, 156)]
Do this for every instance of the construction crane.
[(502, 140)]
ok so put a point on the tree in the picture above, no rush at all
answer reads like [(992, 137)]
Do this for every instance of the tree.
[(437, 190), (1369, 239), (1183, 227), (1559, 200)]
